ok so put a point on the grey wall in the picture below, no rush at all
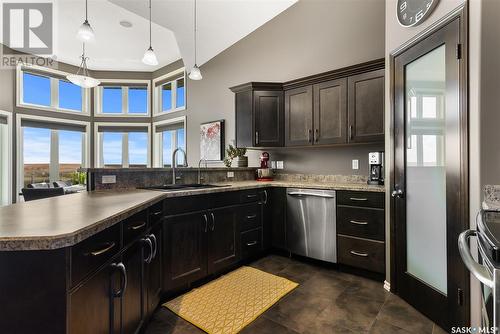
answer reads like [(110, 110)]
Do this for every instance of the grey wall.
[(312, 36)]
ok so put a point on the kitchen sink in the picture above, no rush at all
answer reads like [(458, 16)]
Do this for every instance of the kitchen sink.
[(177, 187)]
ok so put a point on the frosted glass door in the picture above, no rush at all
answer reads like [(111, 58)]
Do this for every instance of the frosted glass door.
[(425, 164)]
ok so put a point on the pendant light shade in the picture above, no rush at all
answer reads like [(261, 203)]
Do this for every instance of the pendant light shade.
[(195, 73), (86, 33), (149, 57), (82, 77)]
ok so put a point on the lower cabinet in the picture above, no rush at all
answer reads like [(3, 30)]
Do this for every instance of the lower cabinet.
[(223, 241), (153, 272)]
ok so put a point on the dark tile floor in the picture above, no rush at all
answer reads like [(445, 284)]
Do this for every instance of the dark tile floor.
[(326, 301)]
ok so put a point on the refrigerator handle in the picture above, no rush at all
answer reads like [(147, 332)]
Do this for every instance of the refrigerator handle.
[(479, 271)]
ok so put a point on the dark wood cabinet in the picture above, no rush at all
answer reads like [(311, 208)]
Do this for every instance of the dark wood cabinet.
[(366, 107), (299, 116), (184, 245), (259, 114), (153, 272), (274, 219), (330, 112), (223, 241)]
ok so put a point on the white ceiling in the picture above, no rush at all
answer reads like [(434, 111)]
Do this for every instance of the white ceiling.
[(221, 23)]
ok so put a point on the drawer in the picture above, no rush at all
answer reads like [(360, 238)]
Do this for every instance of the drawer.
[(155, 213), (361, 253), (251, 243), (252, 195), (93, 252), (134, 227), (361, 222), (361, 198), (250, 217)]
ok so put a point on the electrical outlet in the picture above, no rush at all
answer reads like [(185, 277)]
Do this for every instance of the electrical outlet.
[(230, 174), (279, 165), (106, 179), (273, 164), (355, 164)]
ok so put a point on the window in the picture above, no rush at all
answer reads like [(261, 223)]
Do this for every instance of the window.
[(51, 150), (122, 145), (170, 92), (5, 158), (49, 90), (119, 99), (169, 135)]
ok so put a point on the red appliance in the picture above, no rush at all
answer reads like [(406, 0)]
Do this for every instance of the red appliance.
[(264, 173)]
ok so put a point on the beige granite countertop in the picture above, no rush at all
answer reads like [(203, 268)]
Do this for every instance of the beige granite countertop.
[(63, 221)]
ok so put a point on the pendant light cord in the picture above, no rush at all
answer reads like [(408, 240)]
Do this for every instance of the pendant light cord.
[(150, 24), (195, 30), (86, 10)]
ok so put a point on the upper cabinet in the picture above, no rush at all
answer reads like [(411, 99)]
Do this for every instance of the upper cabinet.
[(338, 107), (259, 115)]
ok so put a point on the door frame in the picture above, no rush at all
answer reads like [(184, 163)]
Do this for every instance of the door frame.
[(460, 13)]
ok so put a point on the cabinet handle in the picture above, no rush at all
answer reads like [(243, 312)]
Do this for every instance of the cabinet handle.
[(358, 254), (358, 222), (155, 245), (310, 135), (351, 137), (265, 196), (137, 227), (316, 135), (358, 199), (251, 196), (256, 137), (252, 243), (123, 279), (156, 214), (252, 216), (206, 222), (148, 242), (108, 246), (213, 221)]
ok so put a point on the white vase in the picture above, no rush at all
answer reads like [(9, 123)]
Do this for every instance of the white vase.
[(240, 162)]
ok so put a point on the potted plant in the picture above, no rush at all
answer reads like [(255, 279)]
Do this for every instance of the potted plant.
[(237, 155)]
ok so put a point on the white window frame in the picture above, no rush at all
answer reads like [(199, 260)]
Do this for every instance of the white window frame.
[(158, 139), (98, 91), (9, 155), (157, 96), (20, 152), (98, 143), (54, 91)]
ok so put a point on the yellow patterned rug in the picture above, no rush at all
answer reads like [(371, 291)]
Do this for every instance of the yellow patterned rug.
[(231, 302)]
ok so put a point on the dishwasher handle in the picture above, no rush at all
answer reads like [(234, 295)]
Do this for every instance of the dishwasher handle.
[(301, 194), (479, 271)]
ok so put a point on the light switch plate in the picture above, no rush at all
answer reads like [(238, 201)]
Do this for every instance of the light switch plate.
[(355, 164), (230, 174), (279, 165), (106, 179)]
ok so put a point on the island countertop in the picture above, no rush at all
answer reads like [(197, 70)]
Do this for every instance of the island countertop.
[(64, 221)]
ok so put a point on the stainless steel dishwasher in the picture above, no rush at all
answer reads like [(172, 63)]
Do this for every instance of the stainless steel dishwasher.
[(311, 223)]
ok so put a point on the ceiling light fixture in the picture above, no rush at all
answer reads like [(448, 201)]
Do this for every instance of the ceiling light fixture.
[(82, 77), (86, 33), (195, 73), (149, 56)]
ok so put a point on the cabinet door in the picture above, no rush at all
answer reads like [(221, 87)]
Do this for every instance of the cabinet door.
[(366, 107), (93, 300), (244, 119), (330, 112), (223, 244), (274, 219), (133, 297), (268, 115), (184, 250), (154, 272), (299, 116)]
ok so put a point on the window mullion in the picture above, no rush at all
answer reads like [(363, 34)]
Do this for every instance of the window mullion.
[(125, 155), (174, 94), (125, 100), (54, 93), (54, 156)]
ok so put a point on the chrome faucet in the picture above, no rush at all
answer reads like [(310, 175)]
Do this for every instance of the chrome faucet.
[(199, 168), (174, 162)]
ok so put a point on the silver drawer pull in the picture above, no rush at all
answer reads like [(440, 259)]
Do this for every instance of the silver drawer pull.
[(358, 222), (358, 199), (252, 216), (103, 250), (251, 196), (155, 214), (137, 227), (252, 243), (359, 254)]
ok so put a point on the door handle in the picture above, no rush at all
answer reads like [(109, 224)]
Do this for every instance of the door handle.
[(358, 199), (252, 243), (358, 222), (251, 216), (155, 245), (358, 253), (479, 271), (310, 136), (397, 193), (138, 226), (265, 196), (256, 137), (351, 137), (206, 222), (108, 246), (213, 221), (123, 279), (316, 135), (299, 194), (148, 242)]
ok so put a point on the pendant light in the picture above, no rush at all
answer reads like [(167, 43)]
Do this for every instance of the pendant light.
[(86, 33), (82, 77), (195, 73), (149, 56)]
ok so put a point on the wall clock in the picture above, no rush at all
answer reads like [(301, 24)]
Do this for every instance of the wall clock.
[(414, 12)]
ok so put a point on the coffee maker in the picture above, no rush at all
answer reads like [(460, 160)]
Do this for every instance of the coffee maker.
[(376, 168)]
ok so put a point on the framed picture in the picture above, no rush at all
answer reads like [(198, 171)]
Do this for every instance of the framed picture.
[(212, 140)]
